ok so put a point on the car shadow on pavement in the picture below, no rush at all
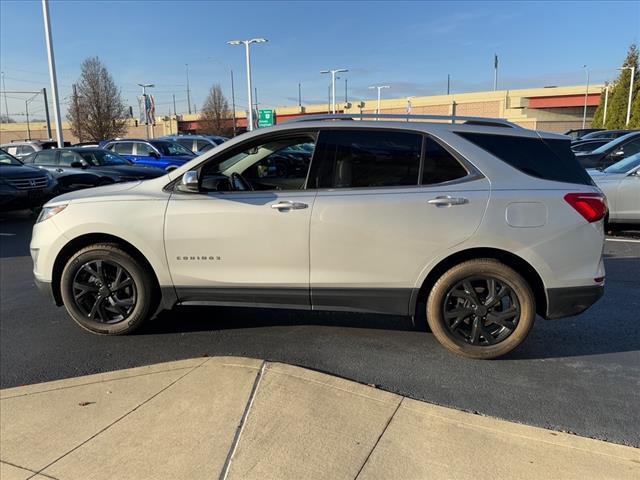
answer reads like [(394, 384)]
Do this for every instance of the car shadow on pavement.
[(15, 233)]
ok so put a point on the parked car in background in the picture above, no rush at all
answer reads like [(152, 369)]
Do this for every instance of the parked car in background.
[(77, 168), (87, 144), (162, 154), (22, 148), (587, 146), (612, 152), (610, 134), (578, 133), (197, 143), (620, 183), (23, 186), (485, 225)]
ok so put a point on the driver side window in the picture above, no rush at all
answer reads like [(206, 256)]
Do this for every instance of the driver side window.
[(278, 164)]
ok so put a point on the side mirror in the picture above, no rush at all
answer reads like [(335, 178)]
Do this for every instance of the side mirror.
[(618, 153), (189, 182)]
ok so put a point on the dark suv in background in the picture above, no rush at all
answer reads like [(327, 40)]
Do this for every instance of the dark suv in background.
[(23, 186)]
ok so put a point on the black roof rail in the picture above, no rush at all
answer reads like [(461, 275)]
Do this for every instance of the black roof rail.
[(483, 121)]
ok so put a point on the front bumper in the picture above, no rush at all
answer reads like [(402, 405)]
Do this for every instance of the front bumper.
[(46, 289), (23, 199), (569, 301)]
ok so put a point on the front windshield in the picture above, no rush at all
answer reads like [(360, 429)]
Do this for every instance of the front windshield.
[(6, 159), (171, 149), (624, 166), (102, 158), (612, 144)]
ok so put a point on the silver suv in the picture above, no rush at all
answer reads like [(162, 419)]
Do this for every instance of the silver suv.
[(472, 228), (21, 148)]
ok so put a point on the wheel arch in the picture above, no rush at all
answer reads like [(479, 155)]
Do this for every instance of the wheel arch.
[(89, 239), (519, 264)]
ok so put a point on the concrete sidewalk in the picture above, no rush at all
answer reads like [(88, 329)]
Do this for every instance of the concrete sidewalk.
[(240, 418)]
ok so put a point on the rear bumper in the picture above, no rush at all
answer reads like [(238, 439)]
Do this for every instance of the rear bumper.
[(569, 301)]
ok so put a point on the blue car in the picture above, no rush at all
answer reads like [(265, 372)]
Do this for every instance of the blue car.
[(162, 154)]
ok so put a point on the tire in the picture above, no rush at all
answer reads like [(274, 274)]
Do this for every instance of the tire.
[(501, 319), (95, 270)]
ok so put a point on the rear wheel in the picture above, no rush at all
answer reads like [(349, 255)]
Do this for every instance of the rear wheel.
[(107, 291), (481, 309)]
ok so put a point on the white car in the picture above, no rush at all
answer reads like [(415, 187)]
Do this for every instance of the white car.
[(485, 223), (620, 183)]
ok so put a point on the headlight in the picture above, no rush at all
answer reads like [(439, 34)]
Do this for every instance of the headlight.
[(48, 212)]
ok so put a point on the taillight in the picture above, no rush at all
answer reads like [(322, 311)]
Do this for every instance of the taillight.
[(592, 206)]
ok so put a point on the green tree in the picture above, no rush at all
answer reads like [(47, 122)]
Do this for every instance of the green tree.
[(619, 97)]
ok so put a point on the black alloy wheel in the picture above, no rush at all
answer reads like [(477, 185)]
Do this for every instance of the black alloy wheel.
[(481, 310), (104, 291)]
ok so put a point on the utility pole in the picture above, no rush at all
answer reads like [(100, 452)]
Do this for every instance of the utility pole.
[(188, 90), (174, 104), (4, 89), (46, 112), (233, 104), (333, 85), (606, 103), (586, 96), (256, 98), (448, 84), (26, 108), (495, 72), (346, 89), (77, 112), (52, 73), (300, 96), (329, 99)]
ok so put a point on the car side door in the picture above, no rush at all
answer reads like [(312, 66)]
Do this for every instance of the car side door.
[(145, 154), (75, 173), (48, 160), (628, 197), (124, 149), (243, 247), (389, 202)]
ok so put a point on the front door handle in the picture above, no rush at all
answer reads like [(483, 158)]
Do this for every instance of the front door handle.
[(287, 205), (447, 201)]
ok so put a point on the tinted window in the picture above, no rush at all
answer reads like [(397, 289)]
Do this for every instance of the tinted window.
[(201, 145), (542, 158), (185, 142), (26, 149), (125, 148), (439, 165), (67, 158), (374, 158), (46, 157), (143, 149), (171, 149), (630, 148)]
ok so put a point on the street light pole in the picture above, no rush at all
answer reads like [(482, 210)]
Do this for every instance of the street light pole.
[(247, 44), (144, 101), (52, 73), (233, 104), (586, 95), (606, 103), (633, 72), (333, 85), (379, 88)]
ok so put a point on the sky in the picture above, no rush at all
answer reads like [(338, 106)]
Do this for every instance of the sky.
[(410, 46)]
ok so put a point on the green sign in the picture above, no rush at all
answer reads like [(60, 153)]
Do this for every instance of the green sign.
[(266, 118)]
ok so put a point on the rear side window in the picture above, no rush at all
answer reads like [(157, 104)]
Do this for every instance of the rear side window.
[(439, 165), (548, 159), (46, 157), (361, 159), (124, 148)]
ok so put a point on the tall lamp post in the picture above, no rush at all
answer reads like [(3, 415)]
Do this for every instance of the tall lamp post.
[(144, 100), (52, 73), (247, 44), (379, 88), (633, 72), (333, 85), (586, 95)]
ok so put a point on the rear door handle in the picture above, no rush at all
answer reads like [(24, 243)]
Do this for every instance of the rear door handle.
[(287, 205), (447, 201)]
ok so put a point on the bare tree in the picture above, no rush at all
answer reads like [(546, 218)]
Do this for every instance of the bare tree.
[(215, 113), (97, 111)]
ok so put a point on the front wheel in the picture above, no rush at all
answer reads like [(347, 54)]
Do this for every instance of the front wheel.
[(481, 309), (107, 291)]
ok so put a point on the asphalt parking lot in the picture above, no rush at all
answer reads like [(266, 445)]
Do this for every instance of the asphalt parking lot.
[(580, 374)]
